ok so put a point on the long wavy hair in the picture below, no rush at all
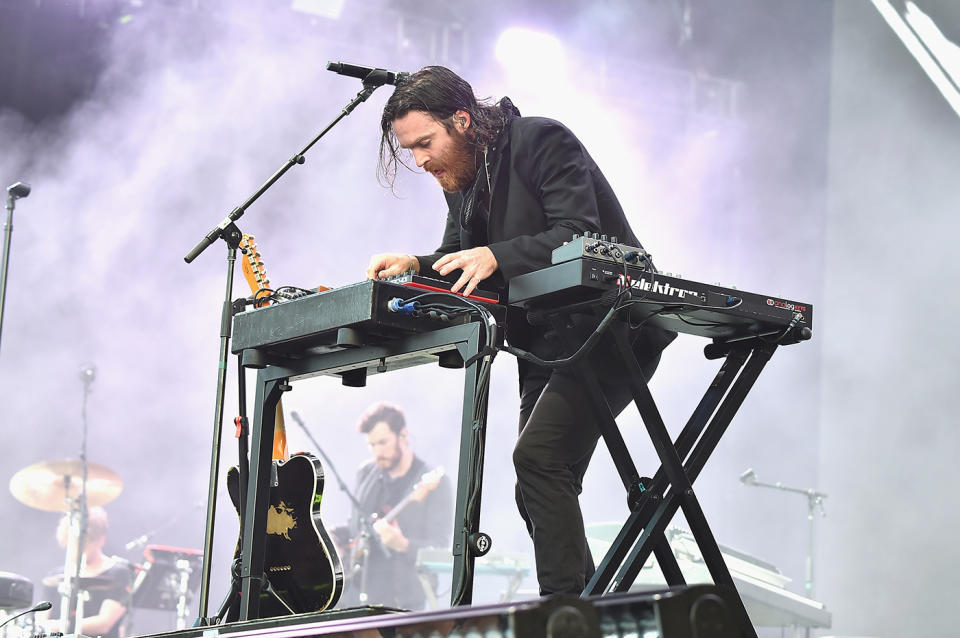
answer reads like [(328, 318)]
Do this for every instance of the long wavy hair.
[(440, 92)]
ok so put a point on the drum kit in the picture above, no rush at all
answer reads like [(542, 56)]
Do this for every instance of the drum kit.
[(164, 580)]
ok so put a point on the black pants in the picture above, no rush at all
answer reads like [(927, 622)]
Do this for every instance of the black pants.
[(558, 434)]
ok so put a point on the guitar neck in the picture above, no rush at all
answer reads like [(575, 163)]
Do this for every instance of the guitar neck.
[(427, 483), (256, 276), (395, 512)]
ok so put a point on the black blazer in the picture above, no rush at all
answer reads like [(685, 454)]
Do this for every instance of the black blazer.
[(544, 188)]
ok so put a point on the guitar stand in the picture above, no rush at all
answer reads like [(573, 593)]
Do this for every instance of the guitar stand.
[(230, 609), (654, 502)]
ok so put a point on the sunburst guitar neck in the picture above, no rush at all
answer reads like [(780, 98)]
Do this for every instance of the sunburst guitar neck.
[(256, 275)]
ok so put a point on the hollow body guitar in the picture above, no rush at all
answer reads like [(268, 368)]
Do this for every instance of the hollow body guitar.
[(302, 569)]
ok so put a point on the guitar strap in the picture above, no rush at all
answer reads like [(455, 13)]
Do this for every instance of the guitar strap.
[(363, 490)]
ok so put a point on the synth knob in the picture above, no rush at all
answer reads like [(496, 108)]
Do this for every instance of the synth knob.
[(603, 238), (614, 239), (576, 236)]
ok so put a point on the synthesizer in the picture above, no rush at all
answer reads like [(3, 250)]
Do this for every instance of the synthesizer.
[(691, 307), (314, 321), (413, 280)]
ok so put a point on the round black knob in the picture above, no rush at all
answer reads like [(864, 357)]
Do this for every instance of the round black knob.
[(480, 543)]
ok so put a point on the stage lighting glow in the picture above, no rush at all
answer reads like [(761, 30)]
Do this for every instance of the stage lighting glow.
[(323, 8), (527, 50)]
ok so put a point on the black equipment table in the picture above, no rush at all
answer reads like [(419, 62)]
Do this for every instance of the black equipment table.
[(350, 332), (746, 329)]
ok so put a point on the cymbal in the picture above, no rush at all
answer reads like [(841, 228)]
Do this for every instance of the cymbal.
[(86, 583), (47, 485)]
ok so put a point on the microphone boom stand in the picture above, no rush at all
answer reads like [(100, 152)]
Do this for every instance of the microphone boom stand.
[(228, 231), (814, 499), (70, 592), (14, 192)]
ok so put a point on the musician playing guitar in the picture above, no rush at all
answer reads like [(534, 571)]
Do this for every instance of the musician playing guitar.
[(394, 479)]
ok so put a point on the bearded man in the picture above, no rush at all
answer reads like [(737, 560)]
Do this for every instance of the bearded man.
[(516, 188), (383, 570)]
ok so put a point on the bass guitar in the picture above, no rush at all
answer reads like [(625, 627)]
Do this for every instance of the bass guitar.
[(302, 569), (427, 483)]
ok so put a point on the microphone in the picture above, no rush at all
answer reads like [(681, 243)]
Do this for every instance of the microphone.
[(17, 191), (749, 477), (371, 76), (41, 606), (137, 542), (88, 373)]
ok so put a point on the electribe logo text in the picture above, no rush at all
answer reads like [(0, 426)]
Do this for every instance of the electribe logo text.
[(663, 288), (786, 305)]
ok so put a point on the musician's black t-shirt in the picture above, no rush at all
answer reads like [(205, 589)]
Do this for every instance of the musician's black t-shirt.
[(119, 577), (392, 579)]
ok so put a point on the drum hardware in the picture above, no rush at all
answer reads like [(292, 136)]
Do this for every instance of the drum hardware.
[(59, 486), (85, 583), (54, 486), (166, 580), (16, 591)]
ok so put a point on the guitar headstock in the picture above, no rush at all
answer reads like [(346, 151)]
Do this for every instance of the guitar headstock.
[(252, 267), (427, 483)]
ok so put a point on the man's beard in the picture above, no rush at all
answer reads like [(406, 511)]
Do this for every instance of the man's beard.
[(387, 463), (459, 166)]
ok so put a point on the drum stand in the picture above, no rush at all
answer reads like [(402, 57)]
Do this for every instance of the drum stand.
[(164, 581), (73, 561), (77, 515), (184, 570)]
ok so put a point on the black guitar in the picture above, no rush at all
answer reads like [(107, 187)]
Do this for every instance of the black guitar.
[(301, 565)]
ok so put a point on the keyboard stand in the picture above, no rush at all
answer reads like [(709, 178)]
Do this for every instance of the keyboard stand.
[(653, 503), (450, 346)]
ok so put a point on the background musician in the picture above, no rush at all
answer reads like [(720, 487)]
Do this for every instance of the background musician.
[(107, 579), (387, 575)]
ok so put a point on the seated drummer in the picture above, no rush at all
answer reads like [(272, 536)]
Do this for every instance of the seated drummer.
[(109, 587)]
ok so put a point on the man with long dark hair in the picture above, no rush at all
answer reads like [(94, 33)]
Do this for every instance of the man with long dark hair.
[(517, 188)]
